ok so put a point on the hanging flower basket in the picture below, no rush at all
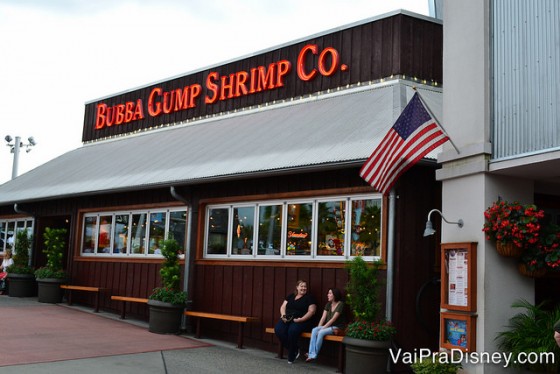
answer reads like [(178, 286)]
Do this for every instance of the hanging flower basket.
[(524, 270), (512, 225), (508, 249)]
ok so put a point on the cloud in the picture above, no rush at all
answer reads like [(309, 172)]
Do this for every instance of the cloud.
[(59, 54)]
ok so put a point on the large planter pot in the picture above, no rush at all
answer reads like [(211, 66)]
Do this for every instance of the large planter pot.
[(165, 318), (49, 291), (22, 285), (366, 356)]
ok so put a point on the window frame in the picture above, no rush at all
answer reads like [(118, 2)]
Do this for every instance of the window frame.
[(28, 223), (125, 212), (284, 203)]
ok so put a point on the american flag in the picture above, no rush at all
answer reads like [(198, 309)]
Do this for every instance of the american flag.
[(414, 135)]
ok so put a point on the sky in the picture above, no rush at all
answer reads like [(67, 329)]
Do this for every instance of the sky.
[(57, 55)]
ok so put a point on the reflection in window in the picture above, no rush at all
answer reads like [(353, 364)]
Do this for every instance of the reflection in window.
[(138, 233), (270, 230), (120, 240), (104, 239), (366, 228), (298, 237), (109, 233), (157, 232), (9, 230), (330, 228), (177, 228), (243, 229), (217, 231), (90, 234), (10, 235)]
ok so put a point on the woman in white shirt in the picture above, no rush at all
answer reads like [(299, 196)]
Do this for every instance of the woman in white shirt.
[(6, 262)]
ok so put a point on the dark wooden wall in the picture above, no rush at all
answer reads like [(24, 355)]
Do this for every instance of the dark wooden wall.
[(258, 288), (397, 45)]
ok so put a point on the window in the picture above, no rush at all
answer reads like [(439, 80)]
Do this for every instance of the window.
[(331, 228), (243, 230), (136, 233), (270, 230), (298, 235), (322, 228), (366, 228), (9, 230)]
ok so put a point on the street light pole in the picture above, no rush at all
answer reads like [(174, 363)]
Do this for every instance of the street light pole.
[(15, 148)]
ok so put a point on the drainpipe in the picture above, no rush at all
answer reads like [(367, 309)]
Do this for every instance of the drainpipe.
[(187, 202), (390, 255)]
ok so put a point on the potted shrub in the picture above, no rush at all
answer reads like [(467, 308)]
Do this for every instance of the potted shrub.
[(51, 276), (20, 274), (513, 226), (168, 302), (531, 331), (368, 338), (437, 363)]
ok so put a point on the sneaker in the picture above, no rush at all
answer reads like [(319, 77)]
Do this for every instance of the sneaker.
[(297, 356)]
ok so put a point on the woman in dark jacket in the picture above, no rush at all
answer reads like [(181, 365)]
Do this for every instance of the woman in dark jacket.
[(295, 317)]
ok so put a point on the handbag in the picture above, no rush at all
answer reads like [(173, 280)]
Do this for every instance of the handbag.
[(287, 318), (3, 275)]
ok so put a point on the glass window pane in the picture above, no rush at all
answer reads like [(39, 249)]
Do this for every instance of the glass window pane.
[(10, 235), (120, 240), (157, 232), (243, 229), (270, 230), (104, 238), (3, 232), (90, 234), (366, 227), (138, 233), (298, 237), (177, 228), (217, 231), (330, 234)]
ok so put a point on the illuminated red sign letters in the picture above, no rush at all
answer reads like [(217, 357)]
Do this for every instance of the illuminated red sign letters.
[(222, 87)]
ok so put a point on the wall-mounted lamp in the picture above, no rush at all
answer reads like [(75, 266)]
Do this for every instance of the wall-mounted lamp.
[(429, 230)]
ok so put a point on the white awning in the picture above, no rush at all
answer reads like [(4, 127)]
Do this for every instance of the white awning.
[(312, 133)]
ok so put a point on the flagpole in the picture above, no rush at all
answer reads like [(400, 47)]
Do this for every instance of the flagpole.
[(434, 117)]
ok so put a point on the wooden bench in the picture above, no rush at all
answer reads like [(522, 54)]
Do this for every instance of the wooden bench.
[(242, 320), (331, 338), (127, 299), (71, 288)]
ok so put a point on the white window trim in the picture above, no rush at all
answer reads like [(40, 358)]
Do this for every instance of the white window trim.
[(348, 216), (115, 213)]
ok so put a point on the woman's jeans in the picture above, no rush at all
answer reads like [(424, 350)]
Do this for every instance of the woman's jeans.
[(288, 334), (317, 336)]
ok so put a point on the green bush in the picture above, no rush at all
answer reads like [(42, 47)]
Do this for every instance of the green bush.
[(362, 292), (170, 274), (21, 256), (439, 363), (532, 331), (55, 242)]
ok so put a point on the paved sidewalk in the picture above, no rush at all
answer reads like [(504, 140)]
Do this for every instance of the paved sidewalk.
[(205, 355)]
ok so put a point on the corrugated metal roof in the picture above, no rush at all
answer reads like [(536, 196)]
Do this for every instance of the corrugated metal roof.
[(316, 132)]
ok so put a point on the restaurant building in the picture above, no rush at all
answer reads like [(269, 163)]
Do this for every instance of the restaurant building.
[(253, 166)]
